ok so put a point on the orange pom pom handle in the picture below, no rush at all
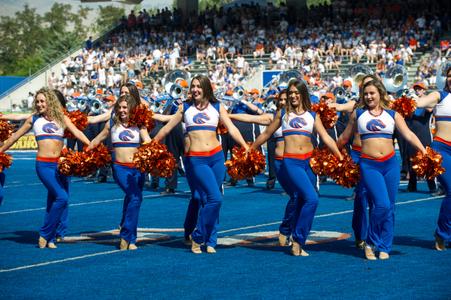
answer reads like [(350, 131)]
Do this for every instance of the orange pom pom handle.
[(427, 165), (327, 115)]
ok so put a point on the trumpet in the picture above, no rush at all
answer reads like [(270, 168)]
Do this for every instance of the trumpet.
[(395, 79)]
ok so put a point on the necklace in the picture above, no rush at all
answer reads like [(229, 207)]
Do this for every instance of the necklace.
[(376, 115)]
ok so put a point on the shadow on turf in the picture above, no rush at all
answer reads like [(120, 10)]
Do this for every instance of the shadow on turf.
[(23, 237)]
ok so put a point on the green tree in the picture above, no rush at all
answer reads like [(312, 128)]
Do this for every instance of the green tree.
[(108, 17)]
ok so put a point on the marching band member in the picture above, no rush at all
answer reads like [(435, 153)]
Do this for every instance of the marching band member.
[(298, 122), (48, 122), (204, 160), (441, 102), (379, 168), (126, 141)]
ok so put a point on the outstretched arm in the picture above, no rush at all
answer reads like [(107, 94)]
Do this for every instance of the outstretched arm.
[(233, 131), (265, 135), (176, 118), (100, 137), (75, 131), (16, 135), (161, 117), (429, 100), (145, 137), (264, 119), (344, 107), (14, 117), (100, 118)]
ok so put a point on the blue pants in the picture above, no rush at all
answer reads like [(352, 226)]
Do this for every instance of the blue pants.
[(359, 215), (381, 180), (444, 219), (300, 177), (197, 201), (285, 226), (2, 182), (207, 174), (131, 181), (57, 198)]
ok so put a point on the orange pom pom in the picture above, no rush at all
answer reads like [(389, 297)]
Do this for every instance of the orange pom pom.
[(5, 161), (6, 130), (327, 115), (141, 116), (155, 159), (404, 105), (79, 119), (242, 166), (221, 129), (347, 173), (344, 172), (75, 163), (427, 165)]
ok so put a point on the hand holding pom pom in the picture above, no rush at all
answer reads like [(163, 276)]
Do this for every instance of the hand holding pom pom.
[(427, 165)]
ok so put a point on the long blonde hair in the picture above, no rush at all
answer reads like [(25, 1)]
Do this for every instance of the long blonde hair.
[(54, 108), (384, 101)]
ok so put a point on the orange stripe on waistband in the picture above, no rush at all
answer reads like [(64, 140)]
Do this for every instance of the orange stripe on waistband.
[(279, 157), (298, 156), (356, 148), (439, 139), (129, 165), (380, 159), (204, 153), (47, 159)]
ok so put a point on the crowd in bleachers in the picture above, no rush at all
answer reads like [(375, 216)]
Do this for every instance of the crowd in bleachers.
[(146, 46)]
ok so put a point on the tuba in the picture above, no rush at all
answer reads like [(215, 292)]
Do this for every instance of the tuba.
[(176, 83), (395, 79), (238, 94), (356, 74), (441, 75), (286, 77), (97, 106)]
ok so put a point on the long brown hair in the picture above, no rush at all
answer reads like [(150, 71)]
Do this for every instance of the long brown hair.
[(205, 85), (131, 104), (301, 87), (384, 102), (54, 108)]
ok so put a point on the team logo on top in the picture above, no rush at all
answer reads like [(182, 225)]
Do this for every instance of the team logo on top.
[(298, 122), (50, 128), (201, 118), (126, 135), (375, 125)]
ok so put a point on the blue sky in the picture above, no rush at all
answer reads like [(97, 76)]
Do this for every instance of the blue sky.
[(9, 7)]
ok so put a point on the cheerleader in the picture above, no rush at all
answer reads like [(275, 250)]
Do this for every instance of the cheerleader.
[(441, 102), (126, 140), (298, 122), (379, 168), (48, 123), (204, 159), (266, 119)]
